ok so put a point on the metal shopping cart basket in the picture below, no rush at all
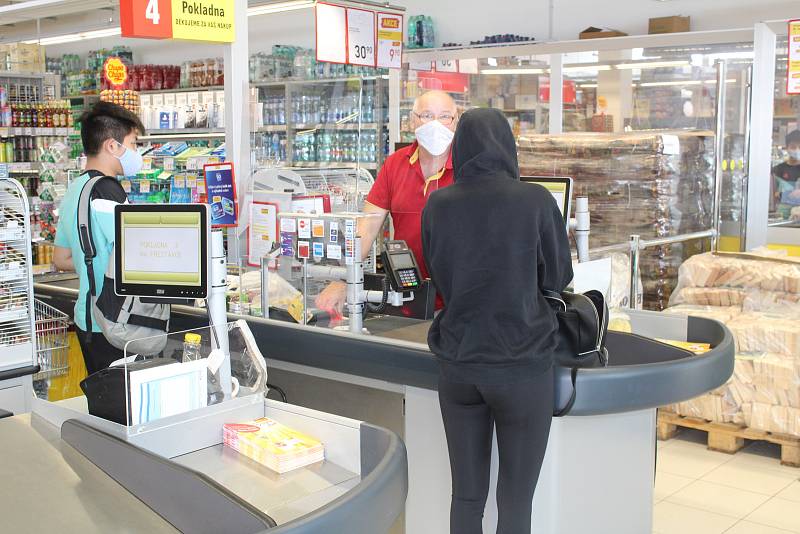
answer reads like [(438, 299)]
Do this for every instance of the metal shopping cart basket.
[(52, 345)]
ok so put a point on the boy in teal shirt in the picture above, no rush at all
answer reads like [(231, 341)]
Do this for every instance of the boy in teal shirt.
[(109, 133)]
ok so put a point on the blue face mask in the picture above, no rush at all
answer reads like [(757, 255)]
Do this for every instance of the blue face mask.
[(130, 160)]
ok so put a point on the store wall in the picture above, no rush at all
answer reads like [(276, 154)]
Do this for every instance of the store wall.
[(456, 21)]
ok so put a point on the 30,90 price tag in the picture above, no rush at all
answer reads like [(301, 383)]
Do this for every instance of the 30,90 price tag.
[(360, 37)]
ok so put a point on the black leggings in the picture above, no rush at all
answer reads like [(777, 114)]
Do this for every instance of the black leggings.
[(522, 413), (97, 353)]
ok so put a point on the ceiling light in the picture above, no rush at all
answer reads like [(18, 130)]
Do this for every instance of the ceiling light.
[(651, 65), (588, 86), (512, 71), (72, 37), (280, 7), (581, 68)]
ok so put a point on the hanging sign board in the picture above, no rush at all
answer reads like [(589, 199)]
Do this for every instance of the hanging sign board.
[(446, 65), (192, 20), (115, 71), (390, 40), (360, 37), (331, 24), (793, 65), (221, 192)]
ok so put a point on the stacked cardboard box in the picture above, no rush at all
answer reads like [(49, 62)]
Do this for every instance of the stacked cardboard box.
[(650, 184), (764, 317), (21, 57)]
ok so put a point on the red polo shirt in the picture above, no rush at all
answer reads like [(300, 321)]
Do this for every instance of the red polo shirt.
[(403, 190)]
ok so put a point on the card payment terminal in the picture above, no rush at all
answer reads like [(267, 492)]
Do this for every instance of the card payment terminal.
[(401, 267)]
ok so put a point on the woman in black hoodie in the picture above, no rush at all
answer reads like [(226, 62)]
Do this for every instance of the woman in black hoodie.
[(492, 244)]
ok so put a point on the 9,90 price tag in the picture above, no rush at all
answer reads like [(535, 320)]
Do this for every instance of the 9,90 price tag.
[(390, 40), (360, 37)]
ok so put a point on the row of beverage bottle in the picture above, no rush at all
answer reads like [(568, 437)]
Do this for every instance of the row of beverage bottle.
[(301, 64), (336, 147), (421, 32), (25, 148), (318, 109), (52, 114)]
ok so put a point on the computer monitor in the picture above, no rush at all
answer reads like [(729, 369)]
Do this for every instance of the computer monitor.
[(162, 250), (561, 189)]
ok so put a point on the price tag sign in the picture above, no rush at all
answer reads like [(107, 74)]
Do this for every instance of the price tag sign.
[(126, 185), (793, 64), (468, 66), (446, 65), (331, 33), (390, 40), (3, 171), (147, 164), (144, 186), (360, 37), (169, 164), (169, 99)]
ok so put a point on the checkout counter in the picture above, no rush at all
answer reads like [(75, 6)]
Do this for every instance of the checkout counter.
[(600, 458)]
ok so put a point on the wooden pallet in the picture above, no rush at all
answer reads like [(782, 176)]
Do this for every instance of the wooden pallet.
[(728, 437)]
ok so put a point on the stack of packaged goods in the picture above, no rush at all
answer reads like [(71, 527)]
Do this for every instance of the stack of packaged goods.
[(650, 184), (758, 298), (269, 443), (122, 97)]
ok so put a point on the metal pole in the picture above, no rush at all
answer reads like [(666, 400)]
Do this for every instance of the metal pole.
[(305, 290), (355, 288), (748, 103), (265, 287), (634, 303), (719, 147)]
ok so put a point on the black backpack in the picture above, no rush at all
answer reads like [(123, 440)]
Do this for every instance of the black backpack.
[(581, 336)]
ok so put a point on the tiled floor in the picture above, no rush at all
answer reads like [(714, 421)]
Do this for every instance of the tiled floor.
[(703, 492)]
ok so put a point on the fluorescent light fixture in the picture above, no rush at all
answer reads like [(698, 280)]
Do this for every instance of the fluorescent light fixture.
[(588, 67), (280, 7), (512, 71), (588, 86), (72, 37), (651, 65), (681, 83)]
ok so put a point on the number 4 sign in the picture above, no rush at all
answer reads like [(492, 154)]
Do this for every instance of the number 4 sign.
[(151, 19)]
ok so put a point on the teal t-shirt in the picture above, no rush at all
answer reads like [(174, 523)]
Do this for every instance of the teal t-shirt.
[(102, 214)]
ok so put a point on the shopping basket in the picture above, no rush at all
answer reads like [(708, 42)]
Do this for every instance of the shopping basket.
[(52, 345)]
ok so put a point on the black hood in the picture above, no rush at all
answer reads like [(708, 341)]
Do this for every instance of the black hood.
[(484, 146)]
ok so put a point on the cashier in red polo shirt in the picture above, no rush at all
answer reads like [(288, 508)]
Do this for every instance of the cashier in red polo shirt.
[(405, 182)]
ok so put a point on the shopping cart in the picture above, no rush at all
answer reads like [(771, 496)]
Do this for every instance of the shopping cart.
[(52, 346)]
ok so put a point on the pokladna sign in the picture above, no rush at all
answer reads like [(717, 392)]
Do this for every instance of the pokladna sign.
[(193, 20)]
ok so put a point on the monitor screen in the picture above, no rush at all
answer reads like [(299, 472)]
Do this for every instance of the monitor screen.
[(559, 187), (162, 250)]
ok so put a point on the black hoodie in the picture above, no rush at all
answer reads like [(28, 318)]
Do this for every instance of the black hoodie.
[(491, 244)]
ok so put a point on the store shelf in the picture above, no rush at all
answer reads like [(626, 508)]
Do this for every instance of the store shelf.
[(14, 314), (334, 126), (83, 97), (184, 90), (272, 128), (12, 234), (319, 81), (332, 165), (186, 133), (16, 74), (11, 275), (13, 130)]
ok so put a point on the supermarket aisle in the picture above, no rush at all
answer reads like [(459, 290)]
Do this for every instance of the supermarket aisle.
[(703, 492)]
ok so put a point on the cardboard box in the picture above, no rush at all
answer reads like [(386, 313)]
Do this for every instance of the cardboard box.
[(20, 57), (599, 33), (521, 102), (669, 25)]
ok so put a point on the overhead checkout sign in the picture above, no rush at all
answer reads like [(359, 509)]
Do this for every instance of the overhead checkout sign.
[(358, 36), (193, 20)]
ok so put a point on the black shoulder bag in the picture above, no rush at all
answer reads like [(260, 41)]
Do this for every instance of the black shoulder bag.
[(582, 328)]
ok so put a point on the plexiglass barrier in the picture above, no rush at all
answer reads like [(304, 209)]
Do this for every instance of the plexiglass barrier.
[(188, 371)]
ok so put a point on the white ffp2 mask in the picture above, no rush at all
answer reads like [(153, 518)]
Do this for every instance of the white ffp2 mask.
[(434, 137), (794, 155)]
